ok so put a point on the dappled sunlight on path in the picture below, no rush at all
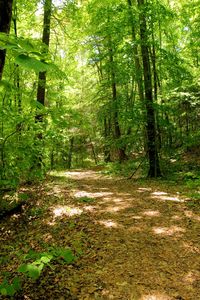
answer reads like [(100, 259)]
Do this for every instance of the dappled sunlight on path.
[(141, 239), (134, 240)]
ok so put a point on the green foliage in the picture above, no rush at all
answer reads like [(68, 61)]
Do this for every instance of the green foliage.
[(191, 183), (194, 201), (34, 269), (10, 288), (85, 199), (31, 63), (36, 212), (79, 104), (8, 184), (191, 176), (26, 52), (194, 204), (11, 201), (62, 254), (126, 168), (24, 196)]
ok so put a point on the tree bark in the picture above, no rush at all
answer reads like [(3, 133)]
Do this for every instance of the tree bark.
[(107, 129), (156, 85), (41, 89), (45, 39), (18, 95), (117, 131), (138, 67), (154, 167), (71, 146), (5, 21)]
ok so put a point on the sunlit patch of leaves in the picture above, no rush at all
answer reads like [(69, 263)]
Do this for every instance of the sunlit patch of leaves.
[(11, 201)]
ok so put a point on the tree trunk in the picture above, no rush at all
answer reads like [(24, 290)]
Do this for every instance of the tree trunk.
[(71, 146), (93, 152), (5, 21), (156, 85), (117, 131), (138, 67), (18, 95), (42, 77), (107, 129), (45, 39), (154, 167)]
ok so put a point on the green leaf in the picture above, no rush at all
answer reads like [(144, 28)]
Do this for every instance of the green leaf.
[(22, 268), (39, 105), (3, 292), (25, 44), (67, 256), (33, 271), (16, 283), (40, 267), (46, 259), (32, 254), (4, 84), (24, 196), (31, 63), (37, 54), (11, 290)]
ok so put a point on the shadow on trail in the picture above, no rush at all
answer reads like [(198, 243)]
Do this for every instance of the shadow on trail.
[(134, 241), (143, 240)]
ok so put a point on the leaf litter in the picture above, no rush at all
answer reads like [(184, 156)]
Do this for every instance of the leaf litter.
[(131, 240)]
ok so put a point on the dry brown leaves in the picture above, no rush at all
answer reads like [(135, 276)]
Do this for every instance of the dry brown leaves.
[(134, 240)]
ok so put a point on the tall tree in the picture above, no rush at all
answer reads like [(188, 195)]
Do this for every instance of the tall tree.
[(41, 89), (154, 167), (117, 130), (45, 39), (5, 20), (136, 54)]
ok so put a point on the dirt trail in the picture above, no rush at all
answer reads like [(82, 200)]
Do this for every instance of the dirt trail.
[(147, 239), (139, 239)]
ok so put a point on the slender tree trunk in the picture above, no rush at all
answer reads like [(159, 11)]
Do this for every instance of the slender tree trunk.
[(45, 39), (5, 21), (93, 152), (107, 130), (71, 146), (117, 131), (155, 84), (138, 67), (41, 89), (52, 158), (106, 120), (154, 167), (18, 96)]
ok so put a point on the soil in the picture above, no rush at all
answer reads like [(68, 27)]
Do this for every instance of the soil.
[(133, 239)]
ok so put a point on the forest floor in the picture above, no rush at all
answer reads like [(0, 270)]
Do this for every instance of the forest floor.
[(133, 239)]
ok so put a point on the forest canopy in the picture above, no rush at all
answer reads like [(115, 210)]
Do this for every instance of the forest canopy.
[(99, 149), (87, 82)]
